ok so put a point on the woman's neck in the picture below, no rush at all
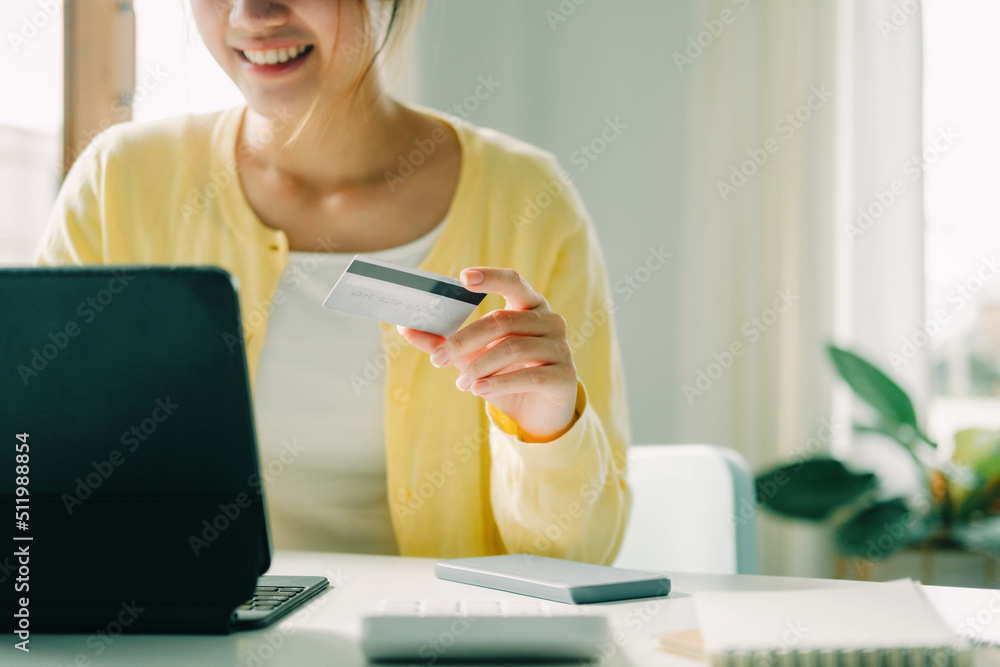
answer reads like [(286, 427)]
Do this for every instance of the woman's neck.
[(343, 145)]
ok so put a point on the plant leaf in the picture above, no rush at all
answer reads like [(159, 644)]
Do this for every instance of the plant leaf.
[(978, 450), (879, 429), (974, 472), (878, 530), (811, 489), (879, 391)]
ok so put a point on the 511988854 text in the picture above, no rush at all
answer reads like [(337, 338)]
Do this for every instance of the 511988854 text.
[(21, 540)]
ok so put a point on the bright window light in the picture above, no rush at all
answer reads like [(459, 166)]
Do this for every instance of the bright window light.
[(175, 73), (962, 181)]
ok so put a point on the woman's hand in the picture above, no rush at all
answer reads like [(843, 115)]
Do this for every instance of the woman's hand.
[(517, 358)]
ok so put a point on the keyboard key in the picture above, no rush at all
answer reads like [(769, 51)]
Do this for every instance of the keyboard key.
[(266, 589)]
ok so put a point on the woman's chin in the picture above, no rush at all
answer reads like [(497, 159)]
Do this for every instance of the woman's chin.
[(286, 111)]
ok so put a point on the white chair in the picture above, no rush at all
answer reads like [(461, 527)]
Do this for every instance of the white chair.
[(693, 510)]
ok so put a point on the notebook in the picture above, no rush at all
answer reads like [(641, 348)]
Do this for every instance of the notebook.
[(878, 624)]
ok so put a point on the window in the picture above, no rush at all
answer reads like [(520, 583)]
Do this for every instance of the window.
[(31, 78), (175, 73), (962, 186)]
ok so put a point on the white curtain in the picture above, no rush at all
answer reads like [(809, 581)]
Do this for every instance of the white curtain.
[(800, 111)]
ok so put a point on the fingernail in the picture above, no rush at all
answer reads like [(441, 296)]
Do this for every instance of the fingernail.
[(440, 357), (481, 388), (399, 328), (472, 277), (462, 382)]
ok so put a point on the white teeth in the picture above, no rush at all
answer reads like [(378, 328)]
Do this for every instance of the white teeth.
[(274, 56)]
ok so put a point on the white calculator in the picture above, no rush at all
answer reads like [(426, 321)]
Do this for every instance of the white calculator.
[(432, 631)]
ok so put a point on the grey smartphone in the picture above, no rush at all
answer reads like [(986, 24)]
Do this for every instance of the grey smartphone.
[(553, 578)]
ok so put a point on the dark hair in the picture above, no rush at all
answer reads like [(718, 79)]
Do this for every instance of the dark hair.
[(385, 40), (402, 16)]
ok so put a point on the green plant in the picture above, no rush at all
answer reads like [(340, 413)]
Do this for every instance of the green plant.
[(961, 502)]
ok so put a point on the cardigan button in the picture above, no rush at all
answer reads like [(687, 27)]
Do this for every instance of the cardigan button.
[(400, 394), (404, 495)]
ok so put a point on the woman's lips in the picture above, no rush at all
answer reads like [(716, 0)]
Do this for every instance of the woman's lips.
[(274, 61)]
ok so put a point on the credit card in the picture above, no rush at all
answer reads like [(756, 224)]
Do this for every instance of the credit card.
[(400, 295)]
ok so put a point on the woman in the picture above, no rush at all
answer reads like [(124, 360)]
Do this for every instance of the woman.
[(501, 438)]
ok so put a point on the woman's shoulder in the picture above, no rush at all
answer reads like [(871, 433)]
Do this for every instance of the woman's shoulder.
[(162, 141), (494, 151), (504, 153), (526, 181), (523, 203)]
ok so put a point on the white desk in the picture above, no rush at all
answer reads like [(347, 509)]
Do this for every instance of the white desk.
[(326, 632)]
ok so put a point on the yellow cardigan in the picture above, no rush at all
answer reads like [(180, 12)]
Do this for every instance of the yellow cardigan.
[(460, 483)]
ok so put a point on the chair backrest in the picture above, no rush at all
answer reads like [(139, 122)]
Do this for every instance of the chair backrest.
[(693, 510)]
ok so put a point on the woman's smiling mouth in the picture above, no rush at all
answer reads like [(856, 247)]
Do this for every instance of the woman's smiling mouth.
[(274, 61)]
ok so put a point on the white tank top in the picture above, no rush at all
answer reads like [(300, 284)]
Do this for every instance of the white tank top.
[(318, 415)]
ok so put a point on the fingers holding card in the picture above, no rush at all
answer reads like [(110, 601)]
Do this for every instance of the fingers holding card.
[(517, 358)]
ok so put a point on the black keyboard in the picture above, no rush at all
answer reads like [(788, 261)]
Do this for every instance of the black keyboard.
[(266, 598), (276, 596)]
